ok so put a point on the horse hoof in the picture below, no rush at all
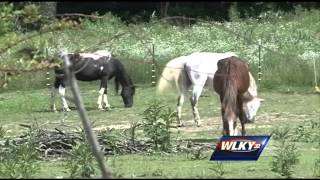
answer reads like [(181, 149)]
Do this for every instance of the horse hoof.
[(181, 125), (67, 109), (108, 108), (101, 109)]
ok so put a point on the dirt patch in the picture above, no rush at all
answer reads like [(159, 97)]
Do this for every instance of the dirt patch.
[(266, 120), (114, 126)]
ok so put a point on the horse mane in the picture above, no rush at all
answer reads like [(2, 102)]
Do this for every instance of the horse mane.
[(121, 75), (252, 90)]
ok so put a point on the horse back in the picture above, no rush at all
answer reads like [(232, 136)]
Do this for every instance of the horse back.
[(232, 70)]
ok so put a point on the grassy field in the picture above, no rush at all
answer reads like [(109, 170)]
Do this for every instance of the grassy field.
[(291, 109), (290, 47)]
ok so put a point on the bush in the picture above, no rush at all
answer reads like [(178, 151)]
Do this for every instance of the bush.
[(2, 132), (80, 162), (19, 161), (316, 170), (281, 134), (285, 159), (156, 125)]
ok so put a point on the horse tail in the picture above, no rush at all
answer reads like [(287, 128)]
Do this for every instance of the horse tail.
[(171, 73), (231, 92)]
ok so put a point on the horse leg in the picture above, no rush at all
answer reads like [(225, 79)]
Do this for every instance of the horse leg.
[(54, 91), (183, 85), (102, 91), (241, 114), (230, 119), (62, 92), (105, 100), (235, 130), (243, 131), (225, 130), (179, 108), (53, 97), (194, 103), (99, 102), (232, 127)]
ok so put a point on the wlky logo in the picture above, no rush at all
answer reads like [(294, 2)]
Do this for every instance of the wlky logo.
[(239, 148)]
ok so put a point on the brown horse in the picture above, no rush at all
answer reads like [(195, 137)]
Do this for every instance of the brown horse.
[(231, 81)]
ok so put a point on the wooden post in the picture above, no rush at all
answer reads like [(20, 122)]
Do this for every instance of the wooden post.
[(317, 89), (48, 73), (90, 135), (153, 74), (259, 65), (48, 79)]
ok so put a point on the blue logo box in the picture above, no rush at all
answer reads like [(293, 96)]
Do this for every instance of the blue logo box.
[(239, 148)]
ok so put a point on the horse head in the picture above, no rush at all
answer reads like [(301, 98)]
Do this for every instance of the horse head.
[(251, 101), (251, 107), (127, 94)]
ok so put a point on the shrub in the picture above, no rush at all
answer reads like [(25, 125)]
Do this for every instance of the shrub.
[(316, 170), (80, 162), (19, 161), (156, 125), (285, 159)]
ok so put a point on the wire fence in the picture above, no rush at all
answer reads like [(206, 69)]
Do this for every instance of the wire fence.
[(148, 70)]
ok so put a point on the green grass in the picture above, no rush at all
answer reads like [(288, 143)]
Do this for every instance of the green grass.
[(278, 110), (287, 86), (182, 166)]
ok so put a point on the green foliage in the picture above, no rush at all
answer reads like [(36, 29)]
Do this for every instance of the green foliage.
[(197, 154), (29, 18), (286, 154), (234, 14), (218, 169), (316, 170), (115, 173), (285, 159), (281, 133), (19, 161), (6, 18), (308, 131), (156, 125), (2, 132), (286, 33), (132, 131), (80, 162), (111, 138)]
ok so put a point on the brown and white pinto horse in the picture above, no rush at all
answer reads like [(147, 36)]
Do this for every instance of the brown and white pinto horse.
[(231, 81), (197, 70)]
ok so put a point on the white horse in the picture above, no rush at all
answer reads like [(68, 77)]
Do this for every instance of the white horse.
[(197, 70)]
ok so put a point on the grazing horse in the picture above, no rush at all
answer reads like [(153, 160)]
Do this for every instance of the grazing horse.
[(99, 65), (197, 70), (231, 81)]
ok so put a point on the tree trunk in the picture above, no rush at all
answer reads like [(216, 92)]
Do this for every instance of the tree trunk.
[(164, 6), (48, 9)]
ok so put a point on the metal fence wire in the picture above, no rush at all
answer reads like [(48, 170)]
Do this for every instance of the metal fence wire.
[(147, 70)]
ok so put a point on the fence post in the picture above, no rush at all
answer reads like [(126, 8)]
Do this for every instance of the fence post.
[(153, 74), (315, 76), (90, 135), (48, 84), (259, 65), (48, 79)]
